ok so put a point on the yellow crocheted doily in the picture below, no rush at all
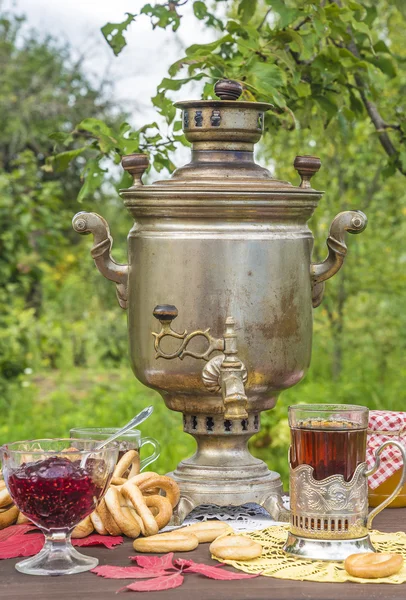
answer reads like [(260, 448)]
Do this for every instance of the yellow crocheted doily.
[(275, 563)]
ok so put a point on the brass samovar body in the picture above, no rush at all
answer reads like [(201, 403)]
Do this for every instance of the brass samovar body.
[(224, 249)]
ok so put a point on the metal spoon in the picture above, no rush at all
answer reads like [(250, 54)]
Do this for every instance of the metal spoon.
[(142, 416)]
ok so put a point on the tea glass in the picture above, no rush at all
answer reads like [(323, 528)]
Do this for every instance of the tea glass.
[(131, 440), (56, 483), (329, 481)]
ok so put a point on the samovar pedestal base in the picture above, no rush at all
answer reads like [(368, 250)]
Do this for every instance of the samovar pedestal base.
[(221, 486), (222, 471), (317, 549)]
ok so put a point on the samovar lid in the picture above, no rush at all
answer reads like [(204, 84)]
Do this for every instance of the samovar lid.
[(224, 124), (222, 133)]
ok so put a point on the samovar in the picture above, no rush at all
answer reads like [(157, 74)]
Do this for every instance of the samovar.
[(223, 248)]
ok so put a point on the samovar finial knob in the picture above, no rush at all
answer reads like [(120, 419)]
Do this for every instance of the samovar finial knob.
[(228, 89), (135, 165), (306, 166)]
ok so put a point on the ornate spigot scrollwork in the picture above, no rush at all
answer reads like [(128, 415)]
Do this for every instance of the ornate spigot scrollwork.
[(167, 313), (224, 372)]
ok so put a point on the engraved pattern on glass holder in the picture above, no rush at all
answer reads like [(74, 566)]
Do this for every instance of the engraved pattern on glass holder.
[(330, 509)]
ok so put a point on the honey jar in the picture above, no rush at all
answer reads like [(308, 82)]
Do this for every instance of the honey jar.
[(384, 490), (386, 426)]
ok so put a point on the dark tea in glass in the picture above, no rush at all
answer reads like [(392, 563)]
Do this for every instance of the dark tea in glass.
[(331, 438)]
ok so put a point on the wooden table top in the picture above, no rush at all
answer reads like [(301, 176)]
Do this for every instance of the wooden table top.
[(87, 586)]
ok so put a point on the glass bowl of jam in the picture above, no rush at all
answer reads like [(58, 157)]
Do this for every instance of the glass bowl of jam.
[(56, 483)]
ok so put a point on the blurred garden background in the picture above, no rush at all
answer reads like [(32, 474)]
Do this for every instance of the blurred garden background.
[(336, 74)]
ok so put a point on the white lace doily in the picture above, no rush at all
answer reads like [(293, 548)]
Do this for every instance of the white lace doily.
[(248, 517)]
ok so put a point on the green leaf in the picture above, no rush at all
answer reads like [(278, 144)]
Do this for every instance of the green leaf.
[(113, 33), (381, 47), (384, 64), (206, 49), (94, 176), (267, 75), (95, 126), (246, 9), (200, 9), (165, 15), (286, 15), (61, 161), (327, 106), (303, 89)]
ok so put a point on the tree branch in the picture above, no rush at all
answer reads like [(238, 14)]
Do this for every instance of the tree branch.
[(378, 122)]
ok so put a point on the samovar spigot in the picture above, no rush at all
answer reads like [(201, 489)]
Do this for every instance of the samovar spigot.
[(233, 374)]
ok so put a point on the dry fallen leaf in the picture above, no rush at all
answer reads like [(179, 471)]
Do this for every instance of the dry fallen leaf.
[(166, 582)]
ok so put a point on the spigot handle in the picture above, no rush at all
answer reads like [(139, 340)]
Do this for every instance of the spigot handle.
[(84, 223), (351, 221), (165, 312), (398, 488)]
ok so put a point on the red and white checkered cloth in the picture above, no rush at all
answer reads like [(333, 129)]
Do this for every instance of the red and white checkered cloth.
[(383, 426)]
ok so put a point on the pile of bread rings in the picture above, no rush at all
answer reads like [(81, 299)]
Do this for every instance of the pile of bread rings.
[(134, 504)]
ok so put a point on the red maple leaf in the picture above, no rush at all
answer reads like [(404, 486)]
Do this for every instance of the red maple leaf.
[(213, 572), (154, 562), (16, 530), (19, 544), (166, 582), (14, 542), (109, 541), (114, 572)]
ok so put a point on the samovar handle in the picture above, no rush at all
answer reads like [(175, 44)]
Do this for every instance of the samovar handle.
[(351, 221), (84, 223)]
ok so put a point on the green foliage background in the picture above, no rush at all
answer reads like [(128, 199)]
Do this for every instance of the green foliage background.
[(336, 74)]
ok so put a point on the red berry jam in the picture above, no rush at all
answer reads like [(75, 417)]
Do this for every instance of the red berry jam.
[(57, 492)]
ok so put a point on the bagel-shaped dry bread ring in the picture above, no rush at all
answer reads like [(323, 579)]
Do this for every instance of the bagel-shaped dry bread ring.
[(83, 529), (108, 519), (121, 513), (5, 498), (118, 481), (166, 543), (235, 547), (142, 477), (132, 493), (168, 485), (22, 519), (125, 463), (8, 516), (98, 523), (164, 508), (371, 565), (207, 531)]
